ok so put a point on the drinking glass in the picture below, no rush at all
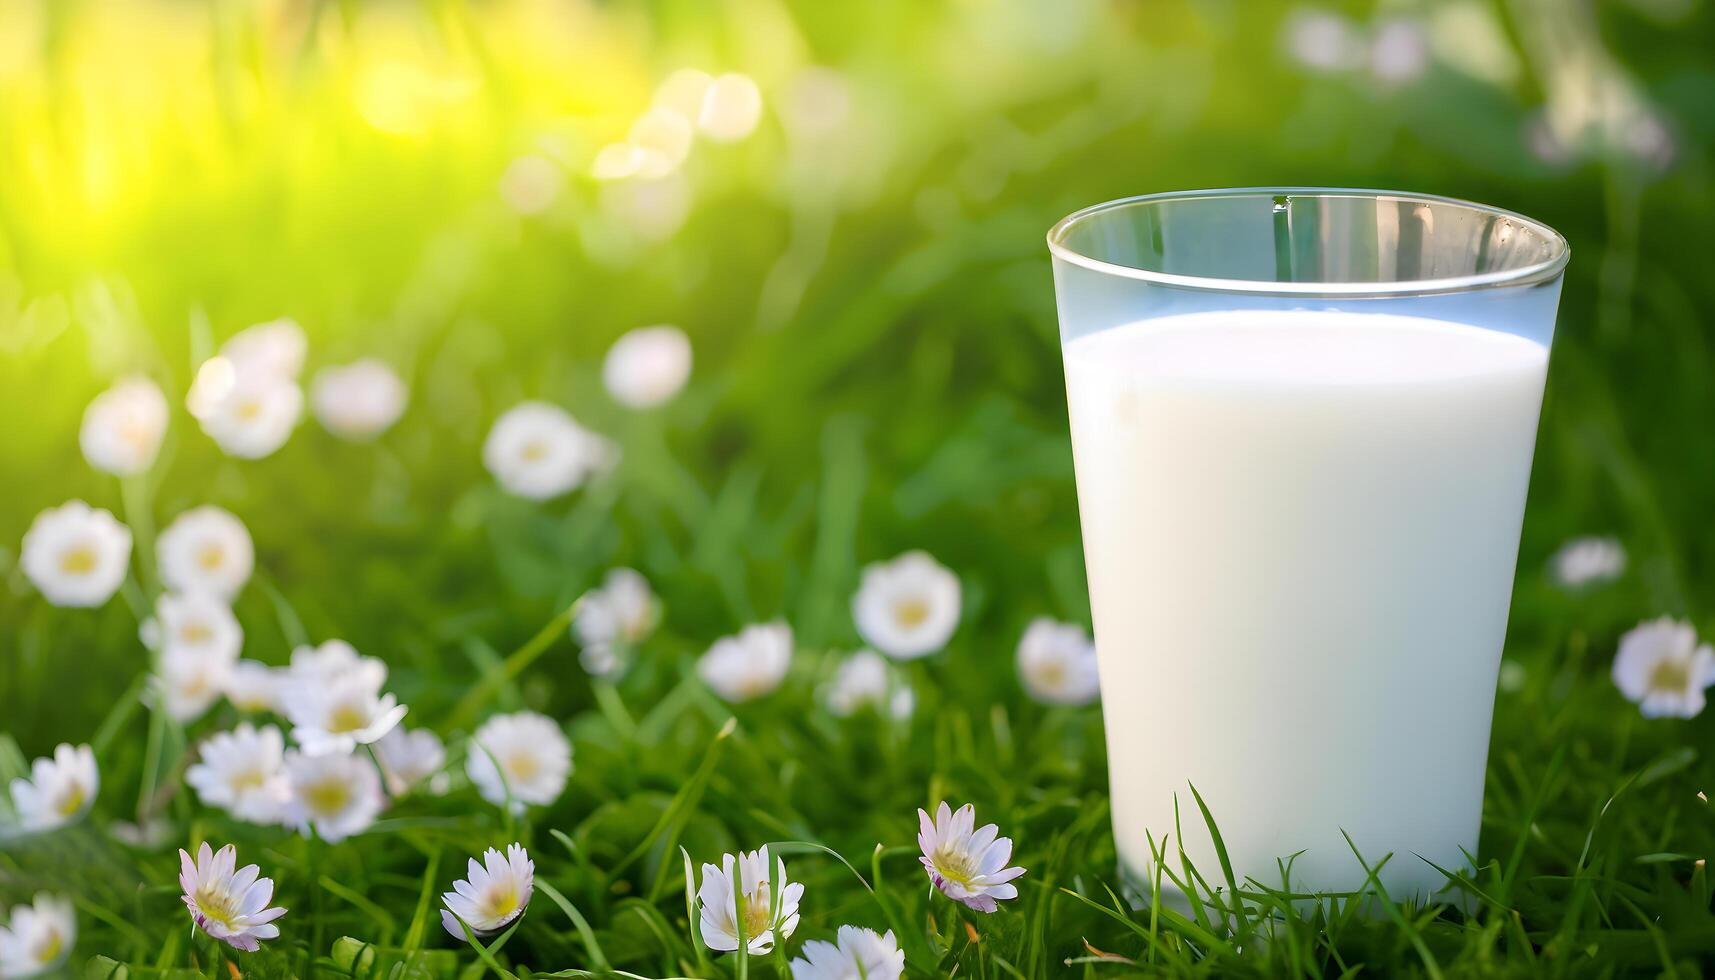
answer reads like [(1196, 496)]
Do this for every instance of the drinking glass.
[(1302, 423)]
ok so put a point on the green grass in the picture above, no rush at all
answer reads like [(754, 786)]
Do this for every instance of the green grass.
[(876, 371)]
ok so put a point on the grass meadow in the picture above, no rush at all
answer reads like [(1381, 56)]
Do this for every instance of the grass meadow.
[(482, 198)]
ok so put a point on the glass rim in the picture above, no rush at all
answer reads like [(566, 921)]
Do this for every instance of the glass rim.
[(1536, 272)]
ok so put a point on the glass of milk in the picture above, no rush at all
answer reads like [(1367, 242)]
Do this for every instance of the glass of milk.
[(1302, 422)]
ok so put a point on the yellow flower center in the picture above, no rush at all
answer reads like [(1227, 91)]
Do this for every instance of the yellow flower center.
[(911, 613), (78, 560), (955, 864), (502, 900), (49, 949), (327, 797), (534, 451), (211, 556), (248, 779), (756, 910), (521, 767), (1669, 675), (1050, 675), (346, 718), (217, 904), (249, 411), (71, 802), (196, 633)]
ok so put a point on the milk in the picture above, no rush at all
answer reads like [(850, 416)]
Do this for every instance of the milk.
[(1300, 530)]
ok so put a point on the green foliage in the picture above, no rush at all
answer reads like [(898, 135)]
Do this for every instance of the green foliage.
[(876, 370)]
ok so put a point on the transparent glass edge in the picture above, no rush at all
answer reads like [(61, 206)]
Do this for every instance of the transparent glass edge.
[(1530, 275)]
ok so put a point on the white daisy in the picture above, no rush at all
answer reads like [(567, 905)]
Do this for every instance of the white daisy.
[(189, 680), (523, 757), (123, 427), (76, 554), (337, 795), (1057, 663), (37, 937), (206, 549), (273, 349), (647, 366), (662, 139), (536, 450), (531, 184), (340, 714), (491, 894), (732, 106), (1588, 561), (856, 954), (358, 401), (256, 417), (1399, 50), (409, 757), (227, 902), (334, 660), (243, 772), (749, 664), (193, 622), (617, 616), (1323, 41), (1663, 668), (967, 864), (908, 607), (254, 687), (865, 680), (59, 789), (764, 920)]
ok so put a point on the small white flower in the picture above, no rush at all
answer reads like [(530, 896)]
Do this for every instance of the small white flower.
[(491, 894), (647, 366), (732, 106), (358, 401), (1057, 663), (243, 772), (1663, 668), (340, 714), (338, 795), (254, 687), (37, 937), (908, 607), (523, 757), (256, 417), (662, 138), (123, 427), (273, 349), (1399, 50), (865, 680), (856, 954), (537, 451), (333, 661), (206, 549), (409, 757), (75, 554), (189, 680), (531, 184), (227, 902), (764, 921), (58, 790), (967, 864), (615, 617), (1511, 677), (1588, 561), (194, 622), (750, 664), (1323, 41)]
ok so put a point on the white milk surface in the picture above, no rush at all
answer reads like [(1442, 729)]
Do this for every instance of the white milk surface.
[(1300, 530)]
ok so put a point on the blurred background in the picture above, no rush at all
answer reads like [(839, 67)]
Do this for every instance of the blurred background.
[(843, 205)]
